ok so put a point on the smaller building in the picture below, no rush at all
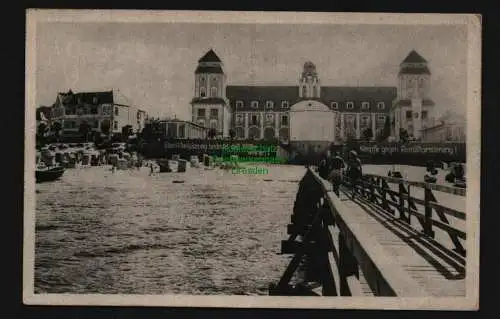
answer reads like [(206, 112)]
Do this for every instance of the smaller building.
[(177, 129), (449, 128)]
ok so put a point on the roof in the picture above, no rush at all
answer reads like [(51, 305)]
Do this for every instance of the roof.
[(407, 102), (340, 94), (209, 69), (46, 110), (87, 97), (210, 56), (310, 105), (414, 57), (209, 100), (415, 70)]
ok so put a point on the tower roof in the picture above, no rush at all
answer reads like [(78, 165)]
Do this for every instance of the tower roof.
[(414, 57), (210, 56)]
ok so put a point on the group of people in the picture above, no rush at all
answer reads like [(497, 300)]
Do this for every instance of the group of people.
[(335, 169)]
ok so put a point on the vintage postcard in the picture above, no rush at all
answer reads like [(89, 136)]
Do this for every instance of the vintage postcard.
[(252, 159)]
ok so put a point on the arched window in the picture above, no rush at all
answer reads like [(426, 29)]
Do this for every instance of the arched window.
[(304, 91), (202, 92)]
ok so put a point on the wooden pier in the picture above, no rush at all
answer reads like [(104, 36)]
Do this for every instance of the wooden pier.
[(382, 236)]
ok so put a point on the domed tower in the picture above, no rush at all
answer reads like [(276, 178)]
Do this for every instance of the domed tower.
[(412, 110), (309, 84), (210, 107)]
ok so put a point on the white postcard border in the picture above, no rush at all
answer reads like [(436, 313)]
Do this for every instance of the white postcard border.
[(470, 302)]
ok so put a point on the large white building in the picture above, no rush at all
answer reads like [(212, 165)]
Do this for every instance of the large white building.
[(310, 111)]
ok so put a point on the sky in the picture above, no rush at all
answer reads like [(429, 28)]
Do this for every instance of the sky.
[(152, 64)]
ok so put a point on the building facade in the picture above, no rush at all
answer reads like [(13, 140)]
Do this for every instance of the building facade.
[(412, 111), (176, 129), (103, 111), (449, 128), (310, 111)]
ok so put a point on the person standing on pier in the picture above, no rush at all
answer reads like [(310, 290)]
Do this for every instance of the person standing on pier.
[(324, 167), (335, 176), (354, 169)]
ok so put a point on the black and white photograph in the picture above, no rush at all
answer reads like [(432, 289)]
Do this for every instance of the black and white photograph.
[(252, 159)]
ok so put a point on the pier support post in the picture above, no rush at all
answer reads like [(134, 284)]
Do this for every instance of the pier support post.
[(348, 266), (427, 227)]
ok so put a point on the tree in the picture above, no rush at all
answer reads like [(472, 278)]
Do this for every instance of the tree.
[(367, 134), (56, 129), (84, 129), (403, 135), (212, 133), (232, 134), (42, 130), (127, 130), (105, 127), (386, 131)]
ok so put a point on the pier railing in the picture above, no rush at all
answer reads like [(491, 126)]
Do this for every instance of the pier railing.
[(395, 196), (333, 251)]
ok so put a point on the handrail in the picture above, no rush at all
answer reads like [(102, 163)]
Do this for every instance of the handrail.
[(441, 188), (375, 188)]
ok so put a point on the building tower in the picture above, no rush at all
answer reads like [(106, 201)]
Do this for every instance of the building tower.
[(412, 109), (210, 107), (309, 84)]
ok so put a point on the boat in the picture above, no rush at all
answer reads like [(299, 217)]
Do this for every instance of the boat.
[(48, 174)]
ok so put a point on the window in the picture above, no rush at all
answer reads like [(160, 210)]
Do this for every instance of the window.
[(269, 104), (240, 118), (254, 120), (213, 124), (201, 112), (116, 111), (424, 115), (365, 119), (304, 91), (214, 91), (255, 104), (239, 104), (365, 105), (334, 105), (408, 114), (350, 105), (381, 105), (269, 117), (284, 120), (381, 118), (115, 125), (201, 122), (284, 104), (93, 109), (202, 92), (214, 113)]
